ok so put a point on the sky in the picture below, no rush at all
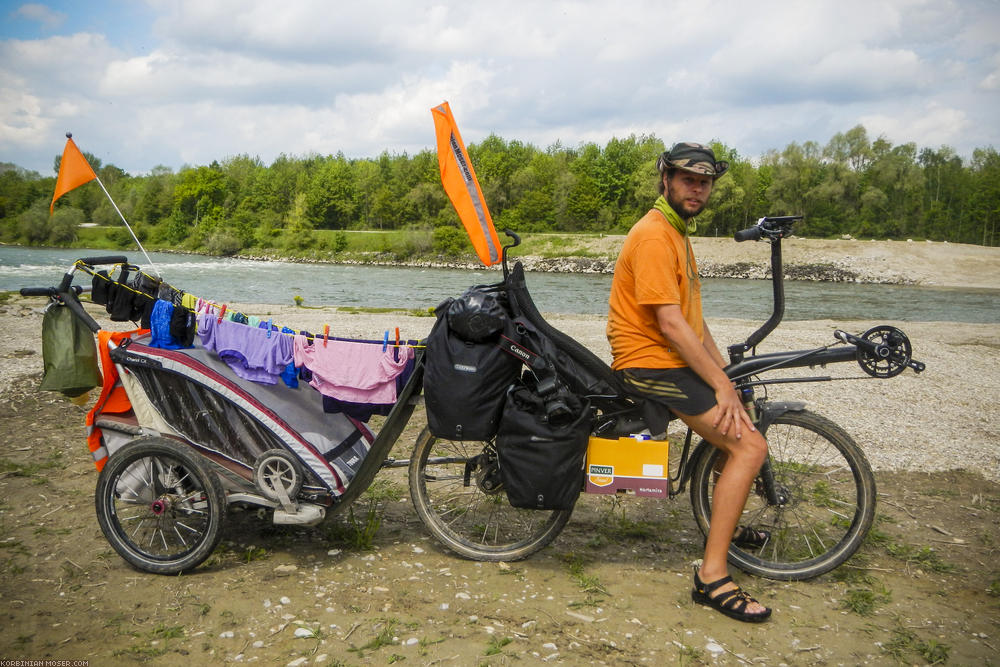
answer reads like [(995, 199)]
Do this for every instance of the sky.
[(185, 82)]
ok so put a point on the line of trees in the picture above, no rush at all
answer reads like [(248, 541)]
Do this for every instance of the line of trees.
[(852, 185)]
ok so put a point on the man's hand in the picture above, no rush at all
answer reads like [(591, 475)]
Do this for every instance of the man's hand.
[(731, 414)]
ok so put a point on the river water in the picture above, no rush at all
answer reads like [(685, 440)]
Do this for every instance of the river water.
[(250, 281)]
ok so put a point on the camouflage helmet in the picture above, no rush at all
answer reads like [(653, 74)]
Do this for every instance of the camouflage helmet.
[(696, 158)]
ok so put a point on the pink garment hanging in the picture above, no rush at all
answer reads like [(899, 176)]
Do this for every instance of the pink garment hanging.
[(350, 370)]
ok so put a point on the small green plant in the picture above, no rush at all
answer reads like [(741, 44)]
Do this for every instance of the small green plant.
[(162, 631), (864, 601), (496, 644), (934, 652), (340, 241), (253, 553), (922, 556), (905, 641), (588, 583), (382, 638), (364, 530), (994, 588), (687, 655)]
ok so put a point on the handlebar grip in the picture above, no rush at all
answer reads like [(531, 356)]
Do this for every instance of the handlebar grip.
[(751, 234), (38, 291), (104, 259)]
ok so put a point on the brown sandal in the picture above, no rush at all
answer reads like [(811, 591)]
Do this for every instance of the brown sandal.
[(731, 603)]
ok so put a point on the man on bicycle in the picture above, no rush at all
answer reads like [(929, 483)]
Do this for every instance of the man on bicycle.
[(663, 351)]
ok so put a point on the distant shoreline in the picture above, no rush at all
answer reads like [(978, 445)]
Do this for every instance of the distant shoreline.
[(921, 263)]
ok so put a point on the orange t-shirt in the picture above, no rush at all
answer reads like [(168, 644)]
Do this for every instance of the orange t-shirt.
[(653, 269)]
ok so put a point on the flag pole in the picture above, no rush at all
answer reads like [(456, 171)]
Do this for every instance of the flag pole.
[(129, 228), (69, 137)]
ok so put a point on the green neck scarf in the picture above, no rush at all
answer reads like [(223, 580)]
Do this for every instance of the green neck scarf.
[(670, 214)]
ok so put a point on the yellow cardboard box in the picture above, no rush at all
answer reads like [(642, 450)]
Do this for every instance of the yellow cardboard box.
[(630, 465)]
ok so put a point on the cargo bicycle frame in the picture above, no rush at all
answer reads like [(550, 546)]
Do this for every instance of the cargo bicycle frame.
[(814, 497)]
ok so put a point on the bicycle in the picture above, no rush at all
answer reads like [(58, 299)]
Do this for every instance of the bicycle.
[(815, 494), (205, 440)]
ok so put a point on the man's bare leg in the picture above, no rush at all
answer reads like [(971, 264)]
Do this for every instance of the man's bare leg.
[(743, 459)]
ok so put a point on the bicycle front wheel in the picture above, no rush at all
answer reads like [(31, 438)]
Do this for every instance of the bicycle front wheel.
[(456, 490), (825, 493)]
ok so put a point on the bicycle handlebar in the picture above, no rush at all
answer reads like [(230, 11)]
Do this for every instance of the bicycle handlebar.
[(48, 291), (773, 228), (38, 291), (104, 259), (751, 234)]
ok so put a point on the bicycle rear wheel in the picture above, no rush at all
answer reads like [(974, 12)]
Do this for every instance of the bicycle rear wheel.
[(456, 490), (826, 503)]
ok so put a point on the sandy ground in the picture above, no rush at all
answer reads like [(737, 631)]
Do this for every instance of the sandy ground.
[(612, 589)]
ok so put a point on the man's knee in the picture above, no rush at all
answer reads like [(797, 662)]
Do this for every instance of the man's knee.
[(751, 448), (754, 447)]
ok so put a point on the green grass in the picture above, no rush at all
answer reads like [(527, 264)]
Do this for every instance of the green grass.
[(864, 601), (355, 245), (905, 642), (496, 644), (925, 557), (254, 553), (382, 638), (34, 469), (589, 584)]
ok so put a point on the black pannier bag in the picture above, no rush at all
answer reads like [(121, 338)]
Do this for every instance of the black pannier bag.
[(541, 444), (465, 381)]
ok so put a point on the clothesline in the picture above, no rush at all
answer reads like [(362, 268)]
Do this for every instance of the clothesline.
[(222, 309)]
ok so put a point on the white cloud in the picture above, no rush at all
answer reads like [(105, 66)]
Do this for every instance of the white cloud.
[(228, 77), (934, 124), (48, 18)]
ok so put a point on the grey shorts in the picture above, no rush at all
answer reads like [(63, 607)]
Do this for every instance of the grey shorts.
[(667, 390)]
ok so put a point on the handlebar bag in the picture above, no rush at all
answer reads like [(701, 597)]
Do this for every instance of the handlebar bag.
[(69, 354), (464, 382), (541, 444)]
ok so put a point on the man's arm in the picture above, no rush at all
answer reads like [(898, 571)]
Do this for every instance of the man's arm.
[(682, 338), (710, 345)]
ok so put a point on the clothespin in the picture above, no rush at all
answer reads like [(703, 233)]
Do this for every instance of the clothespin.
[(385, 340), (269, 326), (222, 313), (326, 333), (397, 336)]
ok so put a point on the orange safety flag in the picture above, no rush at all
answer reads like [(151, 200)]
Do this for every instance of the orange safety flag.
[(74, 171), (459, 181)]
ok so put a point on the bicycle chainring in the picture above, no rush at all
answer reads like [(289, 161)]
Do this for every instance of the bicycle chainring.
[(889, 354)]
